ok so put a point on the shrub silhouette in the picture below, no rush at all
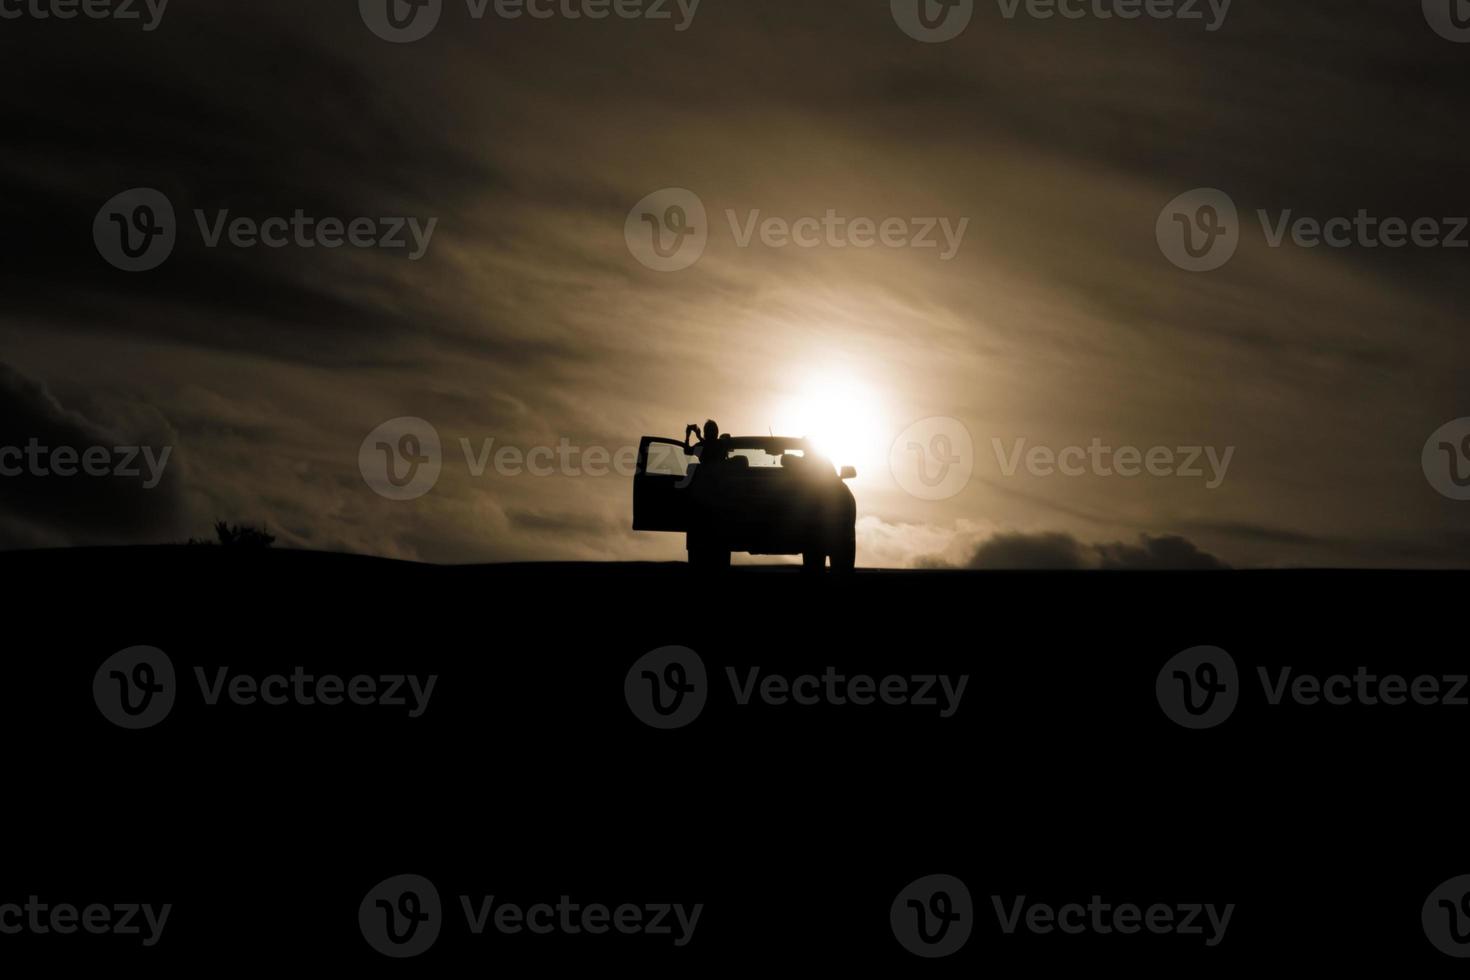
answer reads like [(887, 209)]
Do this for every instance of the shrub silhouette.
[(239, 536)]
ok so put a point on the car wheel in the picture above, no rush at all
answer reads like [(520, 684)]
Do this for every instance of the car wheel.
[(844, 552), (706, 554), (813, 561)]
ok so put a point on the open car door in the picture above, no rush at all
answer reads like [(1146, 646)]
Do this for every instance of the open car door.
[(661, 486)]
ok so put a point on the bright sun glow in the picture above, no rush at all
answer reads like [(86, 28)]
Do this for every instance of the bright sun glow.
[(841, 416)]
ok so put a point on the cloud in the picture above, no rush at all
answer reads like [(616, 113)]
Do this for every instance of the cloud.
[(1060, 551), (1167, 553), (46, 495), (884, 544)]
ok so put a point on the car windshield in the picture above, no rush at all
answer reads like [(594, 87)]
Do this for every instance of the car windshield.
[(757, 457), (777, 457)]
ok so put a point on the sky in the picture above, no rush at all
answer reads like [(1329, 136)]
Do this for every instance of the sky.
[(1025, 302)]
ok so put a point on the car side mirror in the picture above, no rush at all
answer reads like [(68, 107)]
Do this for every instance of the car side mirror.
[(847, 473)]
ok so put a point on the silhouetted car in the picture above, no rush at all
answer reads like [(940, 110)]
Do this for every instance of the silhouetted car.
[(766, 496)]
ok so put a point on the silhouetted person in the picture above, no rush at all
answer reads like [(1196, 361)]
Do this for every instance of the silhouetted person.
[(711, 447)]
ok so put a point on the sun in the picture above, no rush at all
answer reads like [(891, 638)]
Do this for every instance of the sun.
[(841, 415)]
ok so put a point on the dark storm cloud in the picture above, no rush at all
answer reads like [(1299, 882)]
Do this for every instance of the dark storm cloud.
[(51, 492), (1057, 551), (1168, 552), (259, 117), (248, 116)]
